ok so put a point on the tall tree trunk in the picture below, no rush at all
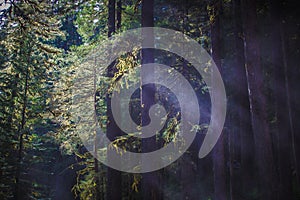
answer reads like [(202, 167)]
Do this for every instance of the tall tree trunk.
[(281, 105), (114, 183), (119, 14), (151, 182), (292, 55), (111, 17), (241, 138), (14, 87), (96, 163), (258, 106), (19, 194), (295, 160), (219, 165)]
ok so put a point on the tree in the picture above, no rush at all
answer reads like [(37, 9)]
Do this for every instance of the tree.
[(114, 182), (291, 43), (241, 137), (283, 128), (219, 150), (26, 74), (255, 78), (150, 181)]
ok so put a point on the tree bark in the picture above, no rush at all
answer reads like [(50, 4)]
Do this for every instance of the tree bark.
[(19, 195), (241, 138), (119, 14), (219, 166), (151, 182), (96, 164), (292, 54), (258, 106), (281, 105), (111, 17), (114, 182)]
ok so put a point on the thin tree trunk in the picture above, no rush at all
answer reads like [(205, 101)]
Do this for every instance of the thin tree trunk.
[(219, 150), (119, 14), (281, 105), (258, 106), (96, 164), (114, 182), (18, 194), (151, 182), (292, 54), (111, 17), (241, 139), (12, 101), (288, 96)]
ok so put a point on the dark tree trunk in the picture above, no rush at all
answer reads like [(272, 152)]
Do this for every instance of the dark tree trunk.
[(97, 178), (241, 138), (219, 150), (114, 182), (283, 129), (111, 17), (14, 87), (291, 51), (187, 177), (258, 106), (96, 163), (151, 182), (19, 193), (119, 14)]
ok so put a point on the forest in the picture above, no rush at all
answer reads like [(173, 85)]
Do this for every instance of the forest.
[(45, 47)]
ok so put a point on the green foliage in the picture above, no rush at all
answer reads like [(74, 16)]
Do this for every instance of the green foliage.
[(86, 186), (27, 66), (91, 20)]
